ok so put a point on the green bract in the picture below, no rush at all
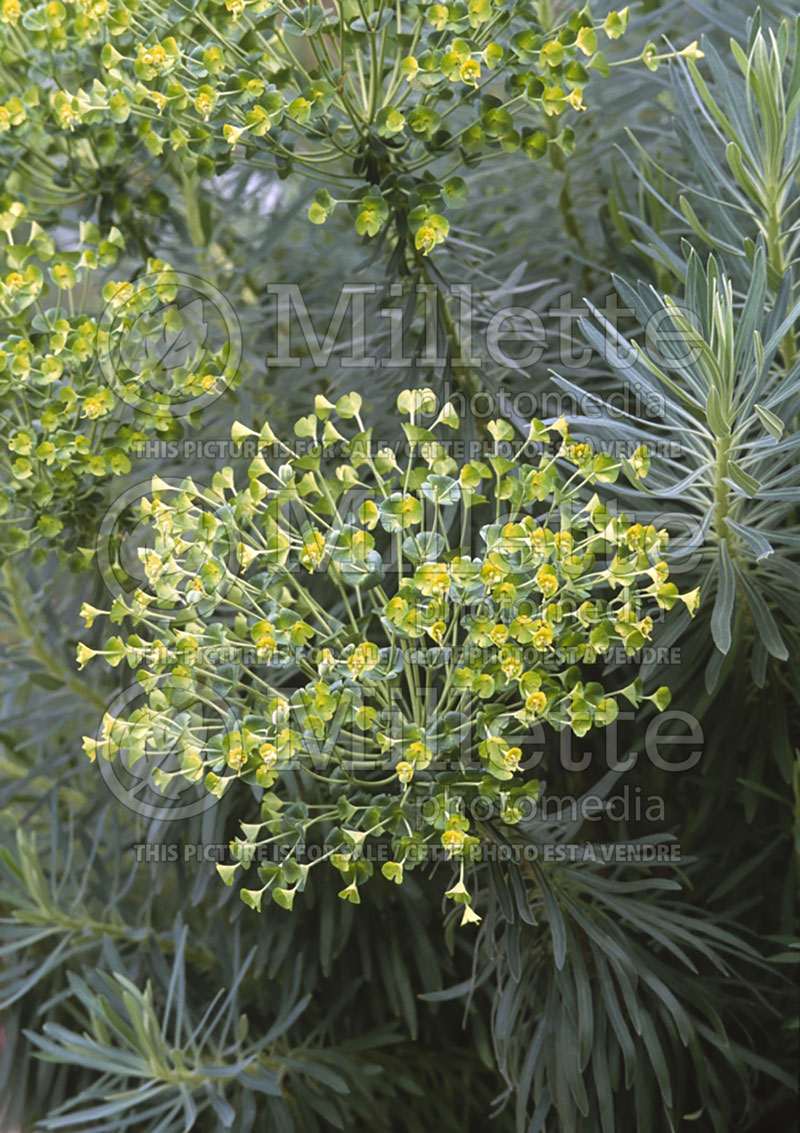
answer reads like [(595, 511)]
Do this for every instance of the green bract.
[(396, 624)]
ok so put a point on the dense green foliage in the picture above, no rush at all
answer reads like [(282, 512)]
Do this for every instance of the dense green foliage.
[(439, 695)]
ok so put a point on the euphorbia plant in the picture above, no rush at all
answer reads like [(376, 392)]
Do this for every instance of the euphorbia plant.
[(385, 106), (389, 626), (382, 105), (379, 102), (364, 641)]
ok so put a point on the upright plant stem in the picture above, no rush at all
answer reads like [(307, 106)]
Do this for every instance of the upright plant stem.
[(776, 261), (464, 375), (723, 448)]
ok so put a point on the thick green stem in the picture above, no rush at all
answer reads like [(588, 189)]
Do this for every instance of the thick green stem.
[(193, 219), (465, 377), (722, 452), (778, 266)]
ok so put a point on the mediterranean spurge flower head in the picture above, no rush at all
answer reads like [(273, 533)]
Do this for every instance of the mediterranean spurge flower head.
[(391, 625)]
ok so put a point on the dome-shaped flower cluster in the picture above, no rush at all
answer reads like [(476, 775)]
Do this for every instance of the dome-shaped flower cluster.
[(396, 622)]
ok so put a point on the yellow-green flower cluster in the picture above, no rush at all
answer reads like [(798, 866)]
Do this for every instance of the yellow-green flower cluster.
[(393, 623), (66, 426), (353, 95)]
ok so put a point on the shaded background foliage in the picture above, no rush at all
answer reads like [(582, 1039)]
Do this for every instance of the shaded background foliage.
[(580, 979)]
